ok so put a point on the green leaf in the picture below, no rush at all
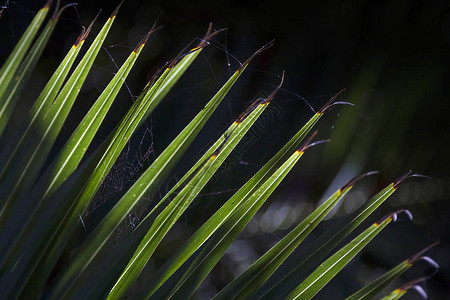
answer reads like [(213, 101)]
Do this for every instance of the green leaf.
[(30, 164), (145, 104), (376, 286), (225, 144), (394, 295), (73, 151), (247, 283), (327, 270), (17, 147), (224, 213), (36, 112), (372, 289), (178, 205), (57, 220), (42, 139), (23, 74), (12, 63), (217, 244), (285, 279), (18, 141)]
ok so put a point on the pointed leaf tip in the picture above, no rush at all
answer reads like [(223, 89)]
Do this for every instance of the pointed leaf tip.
[(262, 49), (114, 13), (400, 180), (417, 256), (209, 35), (353, 181), (144, 40), (48, 4)]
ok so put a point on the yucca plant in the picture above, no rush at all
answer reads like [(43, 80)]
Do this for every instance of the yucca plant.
[(43, 198)]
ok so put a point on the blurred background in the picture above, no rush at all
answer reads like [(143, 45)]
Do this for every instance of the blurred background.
[(392, 57)]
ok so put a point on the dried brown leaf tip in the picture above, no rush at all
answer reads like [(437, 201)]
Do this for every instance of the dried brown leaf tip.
[(308, 143), (353, 181), (406, 176), (208, 36), (395, 216), (203, 43), (333, 102), (48, 4), (259, 101), (114, 13), (145, 38), (260, 50), (85, 33)]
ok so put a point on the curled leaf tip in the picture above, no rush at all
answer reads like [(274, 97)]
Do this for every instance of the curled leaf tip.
[(57, 14), (414, 285), (401, 179), (308, 143), (419, 290), (434, 265), (418, 255), (262, 49), (333, 102), (409, 175), (319, 142), (114, 13), (353, 181), (394, 216)]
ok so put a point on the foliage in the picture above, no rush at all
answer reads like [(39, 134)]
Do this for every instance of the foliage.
[(43, 197)]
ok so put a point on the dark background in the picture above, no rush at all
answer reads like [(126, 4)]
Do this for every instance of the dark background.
[(391, 56)]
